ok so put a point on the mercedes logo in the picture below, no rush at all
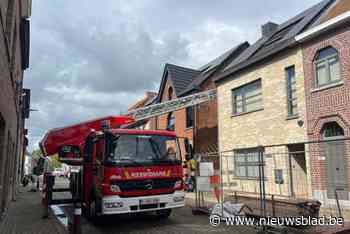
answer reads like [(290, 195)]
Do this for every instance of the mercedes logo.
[(149, 184)]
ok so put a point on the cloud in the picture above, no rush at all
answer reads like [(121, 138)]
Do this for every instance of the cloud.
[(92, 58), (210, 39)]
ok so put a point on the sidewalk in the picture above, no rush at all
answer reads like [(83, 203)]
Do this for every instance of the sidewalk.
[(210, 200), (24, 216)]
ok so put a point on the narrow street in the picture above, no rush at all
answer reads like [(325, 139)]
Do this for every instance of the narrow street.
[(175, 117), (181, 221)]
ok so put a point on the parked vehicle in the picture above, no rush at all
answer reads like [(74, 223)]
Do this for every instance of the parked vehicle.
[(123, 170)]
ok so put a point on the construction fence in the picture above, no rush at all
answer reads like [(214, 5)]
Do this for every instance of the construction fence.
[(286, 180)]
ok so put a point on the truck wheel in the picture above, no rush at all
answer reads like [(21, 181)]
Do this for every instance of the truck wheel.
[(93, 214), (72, 185), (163, 214)]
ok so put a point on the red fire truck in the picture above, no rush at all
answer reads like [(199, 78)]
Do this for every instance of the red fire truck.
[(122, 170), (125, 170)]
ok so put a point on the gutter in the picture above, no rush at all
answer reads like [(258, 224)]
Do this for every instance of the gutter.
[(329, 24)]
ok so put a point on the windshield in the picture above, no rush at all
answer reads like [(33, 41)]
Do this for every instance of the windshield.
[(144, 148)]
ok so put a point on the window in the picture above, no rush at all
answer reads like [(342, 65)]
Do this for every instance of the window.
[(327, 66), (247, 163), (332, 129), (171, 122), (189, 117), (170, 93), (291, 91), (247, 98), (144, 148)]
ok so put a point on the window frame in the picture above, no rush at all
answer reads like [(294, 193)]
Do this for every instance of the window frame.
[(170, 93), (326, 60), (333, 127), (246, 164), (289, 92), (243, 90), (191, 123), (169, 117)]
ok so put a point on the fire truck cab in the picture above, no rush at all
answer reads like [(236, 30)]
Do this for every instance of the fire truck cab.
[(122, 170)]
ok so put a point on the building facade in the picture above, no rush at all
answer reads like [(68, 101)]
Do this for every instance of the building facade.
[(326, 58), (261, 116), (14, 59), (174, 79), (146, 124), (197, 123), (261, 107)]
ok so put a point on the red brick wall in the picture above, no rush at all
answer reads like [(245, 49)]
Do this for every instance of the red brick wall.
[(206, 137), (180, 118), (332, 104)]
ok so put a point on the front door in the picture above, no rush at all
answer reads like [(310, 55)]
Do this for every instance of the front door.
[(298, 171), (336, 170)]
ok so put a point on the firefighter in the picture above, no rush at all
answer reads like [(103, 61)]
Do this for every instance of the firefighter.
[(191, 165)]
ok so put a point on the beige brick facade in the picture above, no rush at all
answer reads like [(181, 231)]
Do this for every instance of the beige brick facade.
[(267, 126)]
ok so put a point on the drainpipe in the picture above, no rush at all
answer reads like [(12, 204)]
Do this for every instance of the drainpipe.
[(291, 176)]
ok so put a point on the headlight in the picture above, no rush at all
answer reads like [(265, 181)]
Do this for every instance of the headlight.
[(178, 185), (113, 204), (114, 188)]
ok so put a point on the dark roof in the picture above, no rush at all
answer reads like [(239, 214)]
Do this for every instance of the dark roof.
[(215, 65), (281, 39), (186, 80), (217, 61), (181, 77)]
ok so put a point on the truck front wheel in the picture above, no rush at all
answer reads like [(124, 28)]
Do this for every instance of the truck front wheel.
[(93, 215), (163, 214)]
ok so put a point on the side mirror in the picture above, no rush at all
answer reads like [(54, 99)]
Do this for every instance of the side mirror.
[(70, 154), (189, 149), (88, 149)]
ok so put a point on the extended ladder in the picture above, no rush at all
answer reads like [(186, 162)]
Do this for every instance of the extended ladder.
[(172, 105)]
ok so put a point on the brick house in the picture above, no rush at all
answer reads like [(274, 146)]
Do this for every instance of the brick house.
[(149, 99), (326, 57), (14, 100), (261, 102), (197, 123)]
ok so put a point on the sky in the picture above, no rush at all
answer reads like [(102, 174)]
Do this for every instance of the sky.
[(90, 58)]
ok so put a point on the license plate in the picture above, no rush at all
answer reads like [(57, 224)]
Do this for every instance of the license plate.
[(149, 201)]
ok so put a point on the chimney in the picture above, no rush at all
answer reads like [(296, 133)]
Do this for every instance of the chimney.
[(268, 28)]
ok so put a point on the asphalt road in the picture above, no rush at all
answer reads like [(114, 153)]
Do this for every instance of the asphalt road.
[(181, 221)]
